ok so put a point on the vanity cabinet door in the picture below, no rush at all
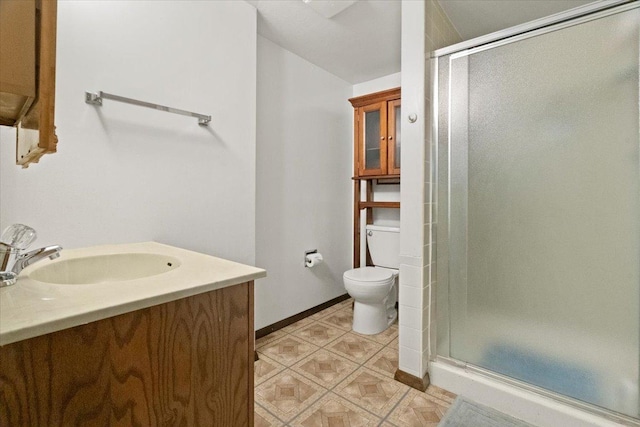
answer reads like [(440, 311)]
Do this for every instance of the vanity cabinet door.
[(187, 362)]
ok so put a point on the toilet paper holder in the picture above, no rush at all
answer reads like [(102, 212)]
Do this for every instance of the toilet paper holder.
[(312, 258), (309, 252)]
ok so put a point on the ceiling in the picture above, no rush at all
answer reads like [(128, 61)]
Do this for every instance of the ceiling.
[(358, 44), (362, 41)]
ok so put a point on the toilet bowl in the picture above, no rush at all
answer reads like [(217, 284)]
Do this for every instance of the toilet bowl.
[(375, 289)]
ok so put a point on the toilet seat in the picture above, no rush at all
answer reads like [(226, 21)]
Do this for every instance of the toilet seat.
[(369, 276)]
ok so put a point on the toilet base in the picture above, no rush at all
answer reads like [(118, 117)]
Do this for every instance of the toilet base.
[(371, 319)]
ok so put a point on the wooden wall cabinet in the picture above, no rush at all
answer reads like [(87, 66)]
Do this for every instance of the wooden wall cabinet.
[(376, 154), (27, 75), (377, 139), (187, 362)]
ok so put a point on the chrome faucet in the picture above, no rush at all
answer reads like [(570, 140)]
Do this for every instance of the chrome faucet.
[(24, 260), (13, 241)]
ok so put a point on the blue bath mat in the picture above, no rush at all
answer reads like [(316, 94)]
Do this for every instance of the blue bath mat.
[(465, 413)]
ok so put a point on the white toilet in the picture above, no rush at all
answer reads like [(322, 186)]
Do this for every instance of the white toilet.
[(375, 289)]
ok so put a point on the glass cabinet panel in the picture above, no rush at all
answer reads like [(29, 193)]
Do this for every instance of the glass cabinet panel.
[(373, 139), (371, 128)]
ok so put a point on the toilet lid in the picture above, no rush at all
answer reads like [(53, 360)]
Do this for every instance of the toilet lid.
[(368, 274)]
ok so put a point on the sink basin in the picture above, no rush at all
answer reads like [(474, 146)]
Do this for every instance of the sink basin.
[(104, 268)]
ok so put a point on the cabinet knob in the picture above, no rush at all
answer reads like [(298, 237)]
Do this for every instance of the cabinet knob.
[(382, 138), (390, 137)]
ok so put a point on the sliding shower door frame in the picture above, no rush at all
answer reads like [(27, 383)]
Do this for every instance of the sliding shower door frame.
[(543, 25), (439, 318)]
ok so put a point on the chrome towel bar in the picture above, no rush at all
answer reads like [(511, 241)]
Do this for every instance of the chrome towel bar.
[(96, 99)]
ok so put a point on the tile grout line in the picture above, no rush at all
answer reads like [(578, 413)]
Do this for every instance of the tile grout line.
[(269, 412), (386, 418), (309, 405)]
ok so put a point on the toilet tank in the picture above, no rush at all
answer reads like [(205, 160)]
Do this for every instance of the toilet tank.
[(384, 245)]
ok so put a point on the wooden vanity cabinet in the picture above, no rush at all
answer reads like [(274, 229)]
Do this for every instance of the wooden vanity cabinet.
[(377, 140), (27, 75), (187, 362)]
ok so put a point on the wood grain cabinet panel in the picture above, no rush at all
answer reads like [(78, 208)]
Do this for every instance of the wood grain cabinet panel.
[(17, 59), (28, 74), (184, 363)]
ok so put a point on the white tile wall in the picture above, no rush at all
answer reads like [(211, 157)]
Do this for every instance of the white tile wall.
[(411, 275), (411, 296), (411, 260), (410, 361), (411, 317), (425, 322), (439, 33), (425, 27), (412, 189), (426, 270), (411, 338)]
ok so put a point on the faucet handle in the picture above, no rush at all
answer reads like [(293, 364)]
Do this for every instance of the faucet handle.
[(7, 278), (18, 236)]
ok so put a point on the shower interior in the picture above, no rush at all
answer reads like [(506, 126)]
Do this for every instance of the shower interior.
[(538, 208)]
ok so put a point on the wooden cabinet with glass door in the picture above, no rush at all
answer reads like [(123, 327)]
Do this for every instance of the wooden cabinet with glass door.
[(376, 154), (377, 134)]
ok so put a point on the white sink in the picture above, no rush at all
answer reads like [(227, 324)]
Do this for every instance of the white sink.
[(104, 268)]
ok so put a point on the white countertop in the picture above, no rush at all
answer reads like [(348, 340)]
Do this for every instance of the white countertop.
[(31, 308)]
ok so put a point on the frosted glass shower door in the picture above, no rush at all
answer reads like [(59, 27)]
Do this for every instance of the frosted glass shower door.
[(544, 209)]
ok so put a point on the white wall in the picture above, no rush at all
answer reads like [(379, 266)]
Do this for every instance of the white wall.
[(304, 187), (123, 173), (376, 85)]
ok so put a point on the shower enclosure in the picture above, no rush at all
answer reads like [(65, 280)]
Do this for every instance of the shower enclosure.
[(538, 208)]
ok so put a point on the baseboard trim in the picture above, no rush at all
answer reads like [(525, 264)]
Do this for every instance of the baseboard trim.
[(293, 319), (412, 381)]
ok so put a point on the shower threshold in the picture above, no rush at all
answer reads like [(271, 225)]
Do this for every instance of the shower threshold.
[(519, 399)]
